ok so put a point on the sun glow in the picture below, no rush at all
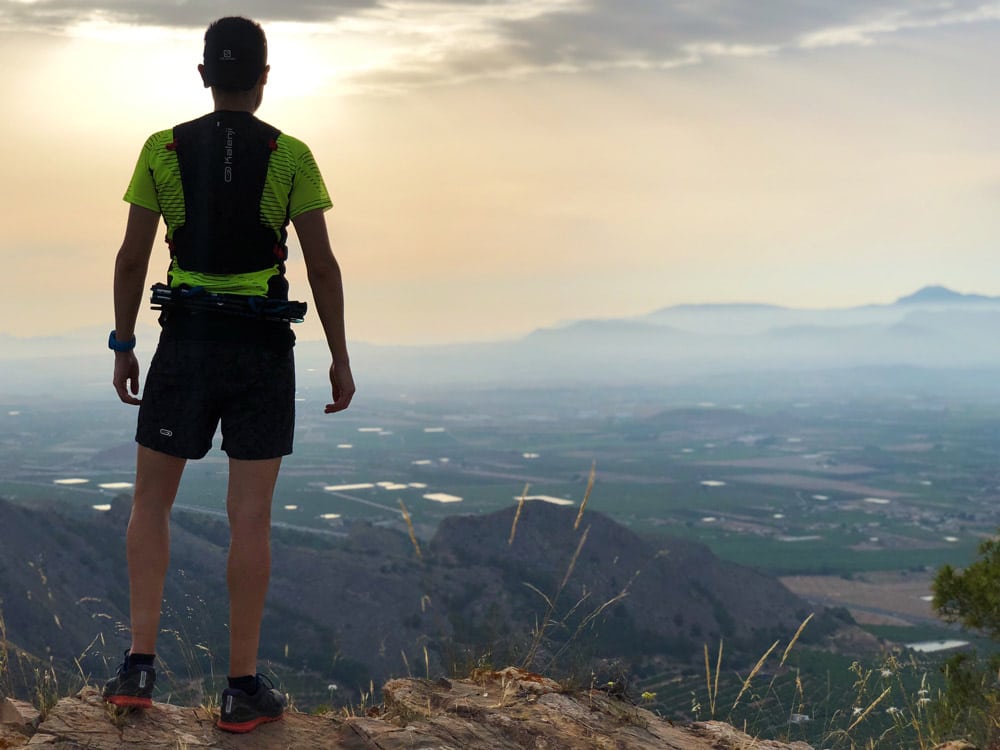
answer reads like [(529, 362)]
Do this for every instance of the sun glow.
[(465, 123)]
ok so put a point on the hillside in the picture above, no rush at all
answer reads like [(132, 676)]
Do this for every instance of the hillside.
[(363, 607)]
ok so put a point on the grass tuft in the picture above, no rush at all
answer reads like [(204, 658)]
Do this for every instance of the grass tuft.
[(517, 515), (409, 527), (753, 673), (712, 686), (586, 494)]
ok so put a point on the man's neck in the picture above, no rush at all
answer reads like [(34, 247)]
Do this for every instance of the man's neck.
[(236, 101)]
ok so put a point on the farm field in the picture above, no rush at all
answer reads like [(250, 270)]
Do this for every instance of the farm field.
[(876, 598), (853, 503)]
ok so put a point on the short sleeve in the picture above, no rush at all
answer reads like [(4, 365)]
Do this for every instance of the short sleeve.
[(142, 187), (308, 189)]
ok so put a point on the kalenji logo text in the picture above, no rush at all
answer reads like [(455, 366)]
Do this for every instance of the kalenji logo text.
[(227, 172)]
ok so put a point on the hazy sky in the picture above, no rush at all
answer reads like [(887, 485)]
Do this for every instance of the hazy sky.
[(503, 165)]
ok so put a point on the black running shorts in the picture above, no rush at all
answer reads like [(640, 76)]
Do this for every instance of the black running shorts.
[(192, 386)]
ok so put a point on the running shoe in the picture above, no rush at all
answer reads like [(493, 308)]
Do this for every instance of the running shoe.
[(243, 713), (131, 687)]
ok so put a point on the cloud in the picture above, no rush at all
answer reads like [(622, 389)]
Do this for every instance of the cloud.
[(611, 31), (867, 32), (456, 41), (59, 14), (417, 42)]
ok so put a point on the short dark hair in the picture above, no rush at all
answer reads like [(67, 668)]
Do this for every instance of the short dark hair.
[(235, 54)]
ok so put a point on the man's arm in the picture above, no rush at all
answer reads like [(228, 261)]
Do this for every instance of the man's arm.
[(130, 277), (328, 294)]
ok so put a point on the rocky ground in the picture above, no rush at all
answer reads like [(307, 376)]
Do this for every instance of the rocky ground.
[(511, 709)]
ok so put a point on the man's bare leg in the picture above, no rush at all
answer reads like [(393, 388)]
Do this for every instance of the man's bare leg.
[(147, 545), (251, 488)]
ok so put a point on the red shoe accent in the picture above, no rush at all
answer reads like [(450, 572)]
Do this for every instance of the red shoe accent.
[(247, 726), (129, 701)]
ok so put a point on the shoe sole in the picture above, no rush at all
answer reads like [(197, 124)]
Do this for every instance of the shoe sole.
[(129, 701), (246, 726)]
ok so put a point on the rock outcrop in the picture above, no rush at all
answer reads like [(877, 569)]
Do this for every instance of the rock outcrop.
[(18, 722), (508, 710)]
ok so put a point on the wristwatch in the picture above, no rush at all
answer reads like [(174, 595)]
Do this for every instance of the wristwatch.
[(120, 346)]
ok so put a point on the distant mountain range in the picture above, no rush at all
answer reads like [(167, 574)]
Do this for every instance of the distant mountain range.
[(934, 329), (941, 294)]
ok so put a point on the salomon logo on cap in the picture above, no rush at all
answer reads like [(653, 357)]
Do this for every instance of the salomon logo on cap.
[(235, 54)]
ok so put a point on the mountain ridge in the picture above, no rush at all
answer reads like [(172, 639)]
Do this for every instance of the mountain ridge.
[(366, 600), (935, 329), (929, 294), (935, 293)]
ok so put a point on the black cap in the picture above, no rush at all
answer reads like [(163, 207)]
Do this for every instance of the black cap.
[(235, 54)]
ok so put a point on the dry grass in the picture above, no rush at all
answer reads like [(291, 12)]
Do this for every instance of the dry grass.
[(38, 674), (550, 618), (887, 712), (366, 704), (517, 515), (551, 602), (713, 686), (586, 494), (409, 527), (753, 673)]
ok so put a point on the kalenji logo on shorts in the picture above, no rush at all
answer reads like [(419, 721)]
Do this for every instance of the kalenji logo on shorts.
[(166, 433)]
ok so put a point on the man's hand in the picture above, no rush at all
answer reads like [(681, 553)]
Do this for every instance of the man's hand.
[(342, 382), (127, 372), (328, 298)]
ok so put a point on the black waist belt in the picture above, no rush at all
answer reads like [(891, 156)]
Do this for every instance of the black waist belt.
[(196, 299)]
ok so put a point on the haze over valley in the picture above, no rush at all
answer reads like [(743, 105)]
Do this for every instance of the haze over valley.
[(935, 339), (846, 453)]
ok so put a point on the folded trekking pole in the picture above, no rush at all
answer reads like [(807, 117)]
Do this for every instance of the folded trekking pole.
[(197, 299)]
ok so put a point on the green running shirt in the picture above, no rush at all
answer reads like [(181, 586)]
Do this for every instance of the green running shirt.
[(292, 185)]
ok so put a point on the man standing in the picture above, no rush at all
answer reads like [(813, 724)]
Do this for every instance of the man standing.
[(227, 185)]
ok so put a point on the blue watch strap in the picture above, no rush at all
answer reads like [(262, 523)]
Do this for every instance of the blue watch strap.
[(120, 346)]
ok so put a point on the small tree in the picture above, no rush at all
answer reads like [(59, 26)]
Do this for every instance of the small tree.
[(969, 704), (972, 596)]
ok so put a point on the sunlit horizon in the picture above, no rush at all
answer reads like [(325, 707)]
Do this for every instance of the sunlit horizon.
[(502, 167)]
